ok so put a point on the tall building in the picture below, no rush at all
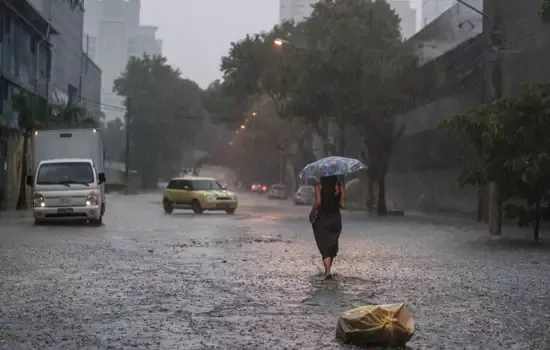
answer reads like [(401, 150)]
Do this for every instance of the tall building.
[(433, 9), (407, 14), (298, 10), (114, 34), (295, 10), (145, 42)]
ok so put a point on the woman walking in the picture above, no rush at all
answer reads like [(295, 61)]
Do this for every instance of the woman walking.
[(327, 220)]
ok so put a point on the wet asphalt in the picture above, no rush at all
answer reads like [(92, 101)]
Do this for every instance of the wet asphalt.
[(251, 281)]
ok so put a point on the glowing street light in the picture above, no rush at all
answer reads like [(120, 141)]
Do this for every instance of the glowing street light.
[(278, 42), (254, 114), (243, 126)]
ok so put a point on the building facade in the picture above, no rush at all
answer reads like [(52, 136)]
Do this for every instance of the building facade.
[(113, 35), (298, 10), (407, 15), (70, 62), (25, 64), (295, 10)]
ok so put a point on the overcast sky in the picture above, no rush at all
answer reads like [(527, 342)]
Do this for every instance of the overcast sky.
[(197, 33)]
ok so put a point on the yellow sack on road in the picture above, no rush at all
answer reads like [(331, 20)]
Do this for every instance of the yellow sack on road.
[(376, 325)]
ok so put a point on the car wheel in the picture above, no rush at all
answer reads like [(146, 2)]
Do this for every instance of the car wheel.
[(38, 222), (168, 206), (196, 206), (231, 211)]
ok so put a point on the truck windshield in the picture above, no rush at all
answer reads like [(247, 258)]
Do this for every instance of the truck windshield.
[(65, 173)]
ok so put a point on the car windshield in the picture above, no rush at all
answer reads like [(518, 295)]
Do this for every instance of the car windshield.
[(205, 185), (65, 173)]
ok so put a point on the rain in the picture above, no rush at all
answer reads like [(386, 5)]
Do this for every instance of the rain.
[(275, 174)]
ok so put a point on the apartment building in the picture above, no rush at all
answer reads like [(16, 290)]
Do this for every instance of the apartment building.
[(298, 10), (113, 34)]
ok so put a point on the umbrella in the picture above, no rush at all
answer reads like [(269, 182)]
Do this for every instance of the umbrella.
[(331, 166)]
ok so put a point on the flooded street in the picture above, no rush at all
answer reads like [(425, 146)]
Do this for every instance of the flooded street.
[(252, 281)]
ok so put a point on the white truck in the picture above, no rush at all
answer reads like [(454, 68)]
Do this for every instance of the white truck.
[(68, 177)]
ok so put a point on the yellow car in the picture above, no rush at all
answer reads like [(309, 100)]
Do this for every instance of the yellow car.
[(198, 194)]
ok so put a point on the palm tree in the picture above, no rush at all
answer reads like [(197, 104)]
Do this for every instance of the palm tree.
[(34, 113)]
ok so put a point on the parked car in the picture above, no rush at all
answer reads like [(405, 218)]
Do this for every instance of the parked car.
[(198, 194), (304, 195), (258, 188), (277, 191)]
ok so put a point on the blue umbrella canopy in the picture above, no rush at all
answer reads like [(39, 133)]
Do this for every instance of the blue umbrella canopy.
[(331, 166)]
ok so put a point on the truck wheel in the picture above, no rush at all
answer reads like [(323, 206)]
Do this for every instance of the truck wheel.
[(196, 206), (168, 206), (97, 222)]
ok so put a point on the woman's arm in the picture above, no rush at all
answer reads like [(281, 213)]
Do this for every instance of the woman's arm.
[(318, 195), (342, 196)]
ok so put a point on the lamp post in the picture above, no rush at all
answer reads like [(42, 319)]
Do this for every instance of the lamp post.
[(128, 118)]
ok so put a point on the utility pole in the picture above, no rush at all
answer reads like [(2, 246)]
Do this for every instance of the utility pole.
[(127, 148), (493, 32)]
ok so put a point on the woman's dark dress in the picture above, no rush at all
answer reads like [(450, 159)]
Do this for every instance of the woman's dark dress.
[(328, 225)]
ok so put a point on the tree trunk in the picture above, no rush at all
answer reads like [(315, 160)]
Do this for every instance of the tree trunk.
[(370, 194), (537, 220), (381, 205), (342, 140), (495, 210), (480, 203), (22, 198)]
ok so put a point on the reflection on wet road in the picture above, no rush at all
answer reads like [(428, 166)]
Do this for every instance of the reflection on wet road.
[(250, 281)]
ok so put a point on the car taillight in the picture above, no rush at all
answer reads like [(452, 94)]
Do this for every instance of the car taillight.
[(264, 188)]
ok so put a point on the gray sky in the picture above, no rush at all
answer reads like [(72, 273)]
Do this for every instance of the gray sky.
[(197, 33)]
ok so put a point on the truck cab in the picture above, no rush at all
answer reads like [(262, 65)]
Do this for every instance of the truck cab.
[(68, 189)]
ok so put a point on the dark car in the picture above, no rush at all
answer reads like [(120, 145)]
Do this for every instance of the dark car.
[(304, 195), (277, 191), (258, 188)]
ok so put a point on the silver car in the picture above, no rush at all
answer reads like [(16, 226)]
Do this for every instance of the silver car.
[(304, 195)]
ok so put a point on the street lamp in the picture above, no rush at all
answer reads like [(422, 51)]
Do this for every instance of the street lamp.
[(243, 126), (254, 114)]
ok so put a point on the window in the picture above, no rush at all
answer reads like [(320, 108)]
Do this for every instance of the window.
[(186, 184), (65, 173), (206, 185)]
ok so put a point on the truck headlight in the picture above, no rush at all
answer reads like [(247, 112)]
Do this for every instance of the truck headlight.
[(92, 199), (38, 200)]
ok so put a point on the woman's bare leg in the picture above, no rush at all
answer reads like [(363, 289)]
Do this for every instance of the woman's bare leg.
[(327, 262)]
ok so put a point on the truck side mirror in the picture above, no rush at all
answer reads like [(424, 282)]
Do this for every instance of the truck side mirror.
[(30, 180), (101, 178)]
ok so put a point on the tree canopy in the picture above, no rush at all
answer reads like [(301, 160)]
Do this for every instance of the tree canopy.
[(165, 114), (344, 65)]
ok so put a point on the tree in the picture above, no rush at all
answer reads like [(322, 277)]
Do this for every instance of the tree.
[(509, 136), (114, 138), (34, 113), (354, 70), (346, 64), (545, 11), (166, 116)]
